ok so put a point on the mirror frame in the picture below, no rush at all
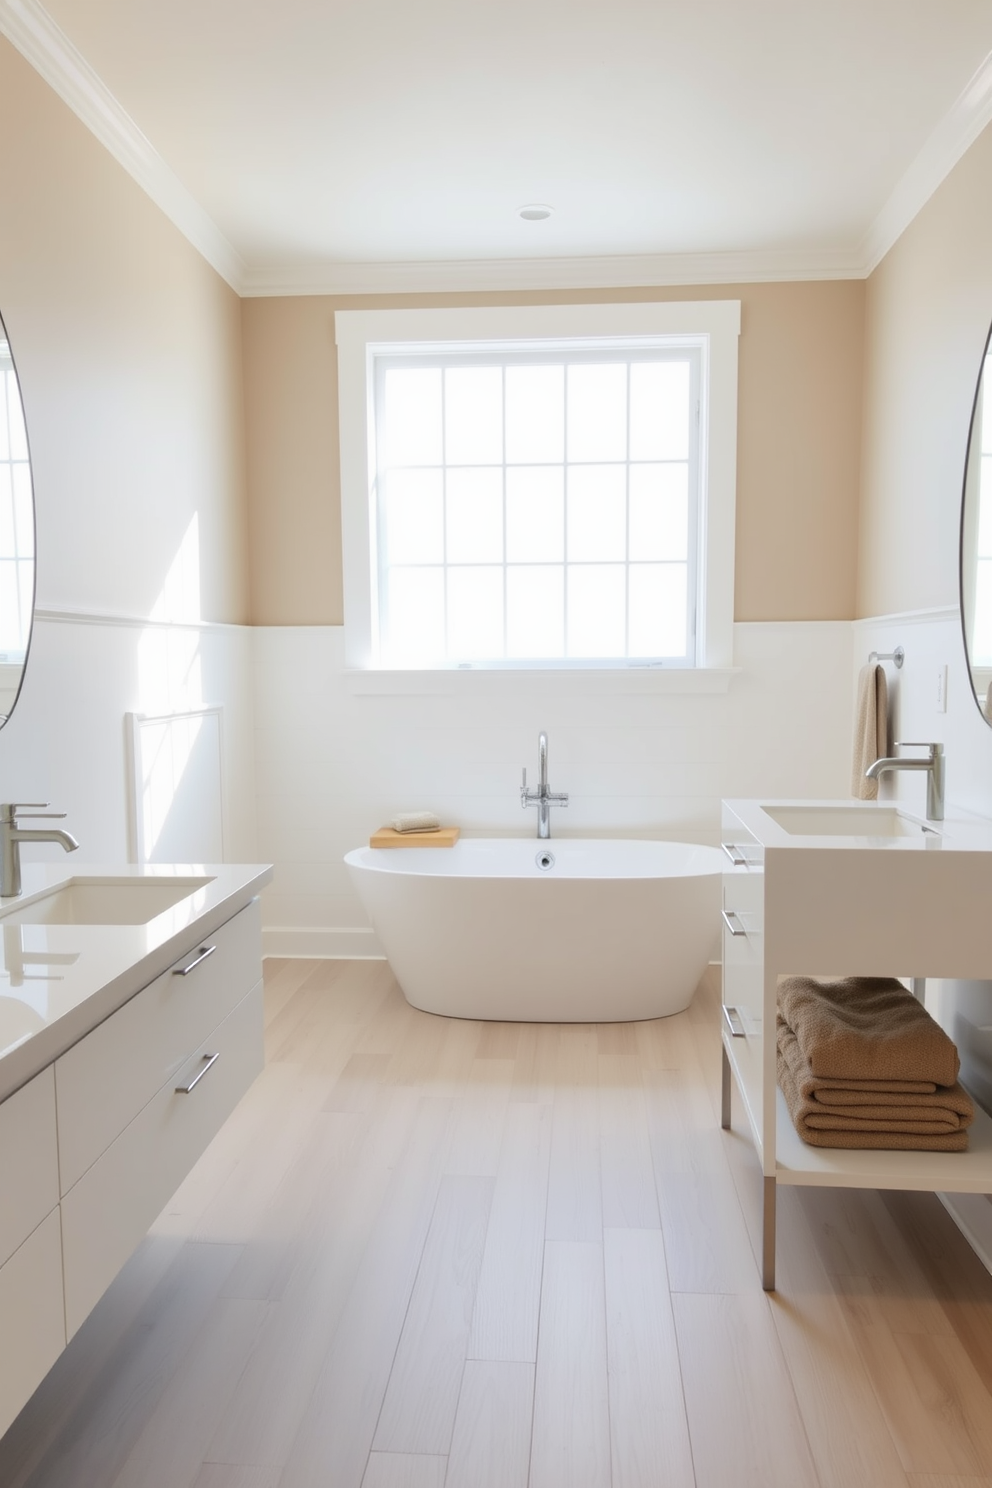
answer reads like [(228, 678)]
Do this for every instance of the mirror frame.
[(6, 717), (986, 349)]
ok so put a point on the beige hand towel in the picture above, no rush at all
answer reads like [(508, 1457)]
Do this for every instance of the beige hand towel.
[(931, 1123), (871, 734), (866, 1028)]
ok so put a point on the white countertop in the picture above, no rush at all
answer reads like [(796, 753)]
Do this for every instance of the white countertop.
[(59, 981), (960, 832)]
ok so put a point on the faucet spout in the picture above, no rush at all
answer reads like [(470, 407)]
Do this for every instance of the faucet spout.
[(933, 764), (12, 835), (542, 798)]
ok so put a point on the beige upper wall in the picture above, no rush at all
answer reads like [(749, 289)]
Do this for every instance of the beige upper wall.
[(799, 434), (928, 308), (128, 347)]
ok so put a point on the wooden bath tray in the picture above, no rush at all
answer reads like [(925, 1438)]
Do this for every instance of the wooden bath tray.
[(387, 837)]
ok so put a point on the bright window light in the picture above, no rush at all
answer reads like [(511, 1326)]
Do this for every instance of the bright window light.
[(536, 506)]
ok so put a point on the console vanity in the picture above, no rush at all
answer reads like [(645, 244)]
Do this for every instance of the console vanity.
[(844, 889), (130, 1027)]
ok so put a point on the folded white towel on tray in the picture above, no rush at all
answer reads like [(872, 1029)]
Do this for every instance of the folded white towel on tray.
[(416, 821)]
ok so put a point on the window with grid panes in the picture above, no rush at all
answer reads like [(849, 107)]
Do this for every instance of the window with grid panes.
[(539, 505)]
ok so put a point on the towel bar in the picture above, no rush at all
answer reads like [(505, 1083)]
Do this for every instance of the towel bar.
[(898, 656)]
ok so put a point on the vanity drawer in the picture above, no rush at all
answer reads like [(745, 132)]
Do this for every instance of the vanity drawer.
[(744, 901), (743, 949), (107, 1213), (29, 1165), (105, 1080), (32, 1322)]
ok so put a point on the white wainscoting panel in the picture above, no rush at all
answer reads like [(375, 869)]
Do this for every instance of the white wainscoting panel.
[(66, 742), (335, 762), (177, 786)]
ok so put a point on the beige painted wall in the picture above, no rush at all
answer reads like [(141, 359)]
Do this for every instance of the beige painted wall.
[(799, 446), (928, 308), (128, 347)]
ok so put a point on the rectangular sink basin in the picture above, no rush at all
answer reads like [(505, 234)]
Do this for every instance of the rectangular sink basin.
[(105, 901), (843, 821)]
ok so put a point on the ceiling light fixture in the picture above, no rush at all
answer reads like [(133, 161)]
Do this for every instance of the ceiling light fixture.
[(535, 212)]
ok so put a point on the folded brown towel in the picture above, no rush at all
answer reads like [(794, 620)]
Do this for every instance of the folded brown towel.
[(826, 1116), (871, 733), (866, 1029)]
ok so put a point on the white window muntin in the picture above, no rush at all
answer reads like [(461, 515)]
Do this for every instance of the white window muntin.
[(714, 323), (575, 572)]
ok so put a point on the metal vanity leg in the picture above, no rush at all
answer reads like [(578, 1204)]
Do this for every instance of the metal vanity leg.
[(725, 1078), (768, 1236)]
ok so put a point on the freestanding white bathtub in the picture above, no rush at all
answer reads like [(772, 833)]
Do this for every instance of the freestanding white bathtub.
[(607, 931)]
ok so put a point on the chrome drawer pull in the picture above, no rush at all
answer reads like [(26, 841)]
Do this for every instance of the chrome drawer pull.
[(210, 1060), (733, 1019), (734, 853), (204, 952), (729, 916)]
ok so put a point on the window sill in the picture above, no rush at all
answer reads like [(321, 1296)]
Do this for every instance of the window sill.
[(559, 681)]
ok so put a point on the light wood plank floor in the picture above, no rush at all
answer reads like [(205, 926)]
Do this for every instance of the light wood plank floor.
[(427, 1253)]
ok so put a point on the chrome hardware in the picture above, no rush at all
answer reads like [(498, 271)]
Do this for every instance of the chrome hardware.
[(202, 955), (729, 916), (545, 860), (209, 1061), (933, 764), (898, 656), (12, 835), (542, 798), (732, 1018), (734, 853)]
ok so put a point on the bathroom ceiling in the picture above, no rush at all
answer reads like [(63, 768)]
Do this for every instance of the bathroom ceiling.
[(317, 134)]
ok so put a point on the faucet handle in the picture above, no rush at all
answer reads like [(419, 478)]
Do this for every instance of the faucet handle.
[(9, 809), (917, 744)]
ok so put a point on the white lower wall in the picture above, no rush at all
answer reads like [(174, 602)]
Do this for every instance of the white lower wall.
[(932, 639), (66, 741), (336, 759)]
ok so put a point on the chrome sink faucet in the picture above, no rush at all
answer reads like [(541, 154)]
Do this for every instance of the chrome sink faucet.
[(12, 835), (933, 764), (542, 798)]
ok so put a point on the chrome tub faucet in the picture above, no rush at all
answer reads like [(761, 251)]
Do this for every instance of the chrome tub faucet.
[(12, 835), (542, 798), (933, 764)]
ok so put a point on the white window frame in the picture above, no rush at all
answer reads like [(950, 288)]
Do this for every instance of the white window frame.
[(712, 325)]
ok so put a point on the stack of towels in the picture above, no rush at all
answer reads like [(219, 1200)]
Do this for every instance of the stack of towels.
[(862, 1064)]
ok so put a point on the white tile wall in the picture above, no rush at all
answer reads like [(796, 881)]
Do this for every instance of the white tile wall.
[(333, 763)]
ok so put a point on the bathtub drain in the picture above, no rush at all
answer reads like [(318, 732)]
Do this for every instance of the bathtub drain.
[(545, 860)]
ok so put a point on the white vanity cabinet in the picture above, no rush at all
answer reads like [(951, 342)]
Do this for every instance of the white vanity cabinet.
[(32, 1320), (905, 906), (93, 1146)]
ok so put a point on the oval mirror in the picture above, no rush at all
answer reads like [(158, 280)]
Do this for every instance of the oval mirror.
[(16, 535)]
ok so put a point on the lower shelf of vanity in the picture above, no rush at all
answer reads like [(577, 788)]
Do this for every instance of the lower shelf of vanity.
[(841, 1167)]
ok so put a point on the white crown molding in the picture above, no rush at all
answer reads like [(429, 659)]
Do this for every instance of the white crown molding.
[(29, 28), (632, 271), (954, 134)]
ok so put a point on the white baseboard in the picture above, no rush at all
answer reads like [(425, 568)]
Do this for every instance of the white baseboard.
[(321, 943)]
